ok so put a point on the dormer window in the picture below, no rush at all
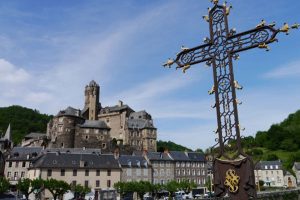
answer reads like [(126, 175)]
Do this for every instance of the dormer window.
[(54, 162), (271, 167), (266, 167), (276, 166)]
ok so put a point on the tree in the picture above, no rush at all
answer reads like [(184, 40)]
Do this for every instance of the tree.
[(271, 157), (120, 188), (186, 186), (155, 188), (4, 185), (171, 187), (56, 188), (208, 184), (79, 190), (24, 187), (142, 187)]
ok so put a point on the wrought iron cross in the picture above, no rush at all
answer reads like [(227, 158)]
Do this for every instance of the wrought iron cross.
[(219, 51)]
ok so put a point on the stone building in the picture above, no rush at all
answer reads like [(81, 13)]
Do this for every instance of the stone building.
[(271, 172), (96, 127), (190, 166), (34, 140), (135, 168), (97, 171), (296, 169), (162, 165), (289, 180), (18, 162)]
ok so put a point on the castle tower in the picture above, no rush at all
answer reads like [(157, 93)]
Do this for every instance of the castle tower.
[(91, 104)]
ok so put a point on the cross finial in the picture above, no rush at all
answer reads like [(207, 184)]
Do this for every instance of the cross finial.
[(215, 1)]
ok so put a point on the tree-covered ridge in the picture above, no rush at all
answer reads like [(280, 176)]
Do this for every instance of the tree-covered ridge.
[(23, 121), (171, 146), (284, 136)]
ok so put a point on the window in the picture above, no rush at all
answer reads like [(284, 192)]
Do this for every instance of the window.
[(162, 163), (193, 172), (182, 164), (97, 172), (188, 172), (16, 174), (168, 164), (17, 164), (22, 174), (108, 183), (168, 172), (62, 172), (178, 172), (183, 172), (188, 164), (74, 183), (10, 164), (86, 183), (276, 166), (271, 167), (8, 174), (74, 172), (23, 164), (87, 172), (103, 145), (97, 183), (86, 130), (145, 171), (266, 167), (203, 172), (162, 172), (129, 171), (177, 164), (155, 172), (108, 172), (49, 172), (138, 172)]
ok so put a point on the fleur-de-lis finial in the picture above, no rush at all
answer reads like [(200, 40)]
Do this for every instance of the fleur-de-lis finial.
[(215, 1)]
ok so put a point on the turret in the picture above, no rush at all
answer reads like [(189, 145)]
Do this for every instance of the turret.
[(92, 100)]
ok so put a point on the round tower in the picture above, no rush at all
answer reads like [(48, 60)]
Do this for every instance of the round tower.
[(91, 93)]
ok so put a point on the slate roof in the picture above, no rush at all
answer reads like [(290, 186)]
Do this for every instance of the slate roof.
[(179, 156), (266, 165), (94, 124), (133, 161), (24, 153), (115, 108), (74, 150), (158, 156), (69, 111), (76, 161), (140, 115), (297, 165), (196, 156), (139, 124), (35, 135)]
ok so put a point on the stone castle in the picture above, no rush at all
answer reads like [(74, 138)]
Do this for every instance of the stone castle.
[(101, 127)]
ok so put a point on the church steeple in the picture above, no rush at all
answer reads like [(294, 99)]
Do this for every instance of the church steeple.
[(7, 135), (92, 103)]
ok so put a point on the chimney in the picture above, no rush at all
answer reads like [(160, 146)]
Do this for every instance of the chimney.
[(120, 103), (116, 153)]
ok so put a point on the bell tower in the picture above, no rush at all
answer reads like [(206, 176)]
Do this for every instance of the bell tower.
[(92, 104)]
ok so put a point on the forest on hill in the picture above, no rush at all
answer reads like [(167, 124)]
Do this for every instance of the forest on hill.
[(23, 121), (281, 141)]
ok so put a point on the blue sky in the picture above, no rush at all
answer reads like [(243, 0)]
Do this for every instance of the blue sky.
[(49, 50)]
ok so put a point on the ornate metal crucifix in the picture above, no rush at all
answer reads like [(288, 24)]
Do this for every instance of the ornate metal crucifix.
[(233, 169)]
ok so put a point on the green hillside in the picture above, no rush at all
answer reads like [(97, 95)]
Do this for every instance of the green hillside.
[(23, 121), (171, 146), (281, 141)]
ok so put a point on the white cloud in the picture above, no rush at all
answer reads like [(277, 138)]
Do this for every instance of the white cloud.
[(291, 69), (11, 74), (38, 97)]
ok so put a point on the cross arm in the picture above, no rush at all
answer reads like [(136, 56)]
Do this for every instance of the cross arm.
[(259, 37), (187, 57)]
